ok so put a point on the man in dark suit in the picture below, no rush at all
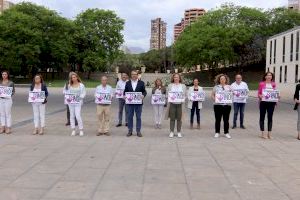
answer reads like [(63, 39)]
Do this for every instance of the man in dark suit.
[(135, 85)]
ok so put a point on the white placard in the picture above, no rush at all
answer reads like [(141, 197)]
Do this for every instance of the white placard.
[(133, 98), (223, 97), (197, 96), (36, 97), (103, 98), (119, 93), (176, 97), (158, 99), (71, 99), (6, 91), (270, 95), (240, 94)]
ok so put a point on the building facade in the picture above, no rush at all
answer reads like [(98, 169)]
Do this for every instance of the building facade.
[(5, 5), (190, 16), (294, 4), (158, 34), (283, 58)]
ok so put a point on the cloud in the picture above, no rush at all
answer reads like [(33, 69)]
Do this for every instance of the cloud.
[(138, 14)]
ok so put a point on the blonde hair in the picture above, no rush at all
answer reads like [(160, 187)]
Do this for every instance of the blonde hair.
[(218, 77), (172, 78), (70, 78)]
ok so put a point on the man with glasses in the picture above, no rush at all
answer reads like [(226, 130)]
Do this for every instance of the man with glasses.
[(135, 85), (240, 90)]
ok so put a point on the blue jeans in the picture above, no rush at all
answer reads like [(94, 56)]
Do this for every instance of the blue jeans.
[(238, 108), (137, 109), (122, 105)]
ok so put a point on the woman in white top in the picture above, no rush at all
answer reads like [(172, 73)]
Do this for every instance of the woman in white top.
[(158, 89), (175, 109), (6, 104), (194, 106), (76, 87)]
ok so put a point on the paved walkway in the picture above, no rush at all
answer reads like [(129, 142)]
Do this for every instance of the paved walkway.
[(197, 167)]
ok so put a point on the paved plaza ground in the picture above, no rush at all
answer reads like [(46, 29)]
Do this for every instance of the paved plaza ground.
[(57, 166)]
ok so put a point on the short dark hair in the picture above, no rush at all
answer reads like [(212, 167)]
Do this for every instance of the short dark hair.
[(266, 74)]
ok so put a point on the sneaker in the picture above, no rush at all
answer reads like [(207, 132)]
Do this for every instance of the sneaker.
[(217, 135), (81, 133), (179, 135), (227, 136), (234, 127), (159, 126), (118, 125), (171, 135), (73, 133), (242, 127)]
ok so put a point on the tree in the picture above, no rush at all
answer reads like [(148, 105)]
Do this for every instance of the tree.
[(97, 38)]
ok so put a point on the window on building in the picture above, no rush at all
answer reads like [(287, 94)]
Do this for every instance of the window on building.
[(274, 52), (296, 73), (271, 46), (285, 74), (268, 69), (274, 72), (297, 46), (292, 47), (280, 74), (283, 50)]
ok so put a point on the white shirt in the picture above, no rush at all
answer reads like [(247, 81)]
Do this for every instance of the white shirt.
[(106, 89), (241, 86), (121, 84), (134, 84)]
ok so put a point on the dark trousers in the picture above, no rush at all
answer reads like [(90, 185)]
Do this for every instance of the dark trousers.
[(68, 116), (238, 108), (222, 111), (194, 110), (137, 109), (122, 106), (266, 107), (175, 114)]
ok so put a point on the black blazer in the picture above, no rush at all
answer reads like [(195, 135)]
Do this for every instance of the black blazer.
[(140, 87), (296, 95)]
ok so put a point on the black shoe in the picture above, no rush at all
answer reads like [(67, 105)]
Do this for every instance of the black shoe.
[(129, 134), (68, 124), (139, 134), (242, 127), (126, 124), (118, 125), (233, 127)]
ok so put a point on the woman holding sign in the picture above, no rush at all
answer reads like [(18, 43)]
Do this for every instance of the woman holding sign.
[(196, 96), (222, 97), (7, 90), (38, 98), (158, 101), (268, 98), (103, 97), (176, 99), (297, 107), (74, 96)]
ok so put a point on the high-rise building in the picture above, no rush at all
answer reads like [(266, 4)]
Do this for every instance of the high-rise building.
[(294, 4), (5, 5), (190, 16), (158, 34)]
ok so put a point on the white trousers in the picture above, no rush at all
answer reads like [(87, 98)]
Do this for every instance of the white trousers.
[(158, 113), (5, 112), (75, 111), (39, 111)]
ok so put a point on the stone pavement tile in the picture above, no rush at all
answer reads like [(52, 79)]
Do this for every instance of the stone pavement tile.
[(165, 191), (93, 162), (198, 161), (203, 172), (259, 193), (236, 165), (12, 148), (10, 193), (81, 174), (229, 195), (116, 195), (21, 162), (4, 183), (210, 185), (164, 164), (71, 190), (51, 168), (164, 176), (35, 180), (123, 183), (10, 174)]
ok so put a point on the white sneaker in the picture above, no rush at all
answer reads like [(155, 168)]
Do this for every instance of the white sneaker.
[(171, 135), (73, 133), (179, 135), (227, 136), (217, 135), (81, 133)]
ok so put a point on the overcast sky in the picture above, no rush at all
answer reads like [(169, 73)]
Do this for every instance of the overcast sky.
[(138, 13)]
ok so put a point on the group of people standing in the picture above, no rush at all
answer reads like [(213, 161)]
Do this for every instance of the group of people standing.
[(235, 95)]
